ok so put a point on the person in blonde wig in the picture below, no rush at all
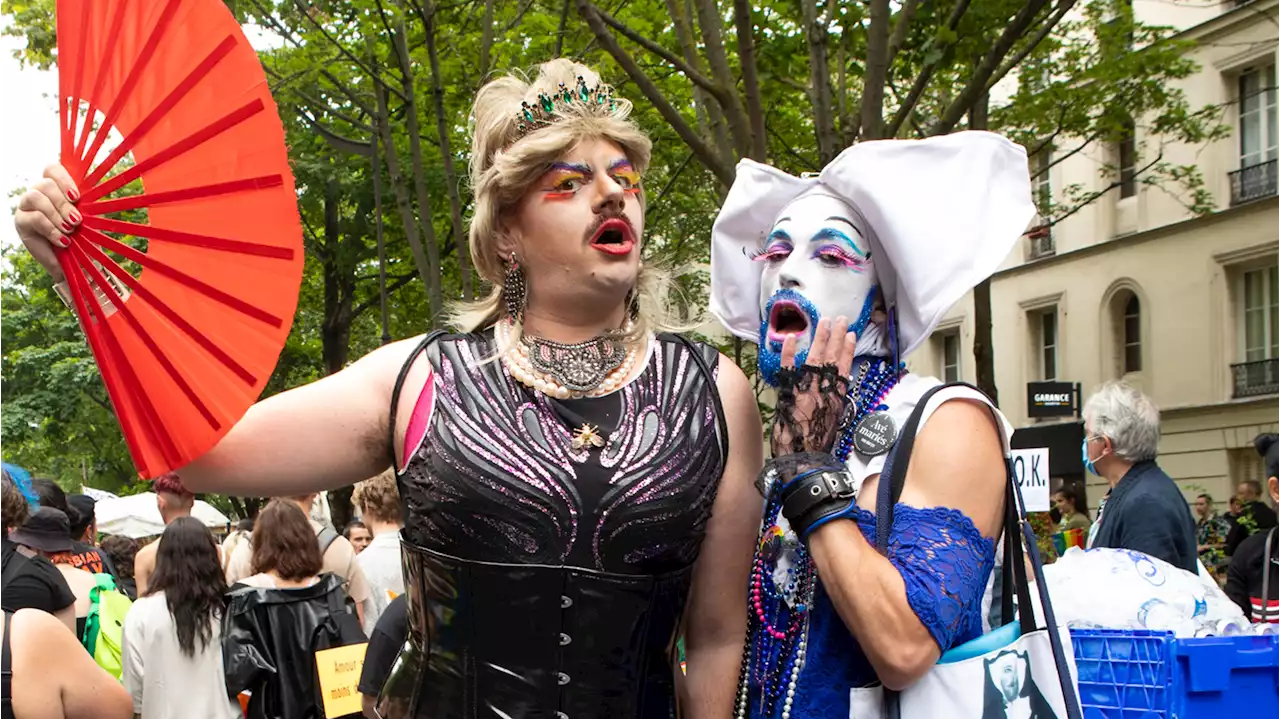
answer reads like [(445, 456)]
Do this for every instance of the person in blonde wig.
[(572, 506)]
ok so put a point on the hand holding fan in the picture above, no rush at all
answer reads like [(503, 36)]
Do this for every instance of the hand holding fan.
[(185, 269)]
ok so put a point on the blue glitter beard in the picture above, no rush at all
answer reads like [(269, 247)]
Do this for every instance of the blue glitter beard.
[(769, 355)]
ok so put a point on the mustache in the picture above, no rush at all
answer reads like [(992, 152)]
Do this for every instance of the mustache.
[(601, 219)]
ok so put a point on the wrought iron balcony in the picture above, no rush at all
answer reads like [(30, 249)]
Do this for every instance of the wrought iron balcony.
[(1253, 182), (1255, 378)]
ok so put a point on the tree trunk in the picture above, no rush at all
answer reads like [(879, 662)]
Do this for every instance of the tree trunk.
[(486, 38), (339, 286), (435, 294), (872, 124), (398, 184), (983, 356), (824, 124), (446, 155), (710, 21), (750, 78), (711, 122)]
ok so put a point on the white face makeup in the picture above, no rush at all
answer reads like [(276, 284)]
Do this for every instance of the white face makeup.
[(817, 263)]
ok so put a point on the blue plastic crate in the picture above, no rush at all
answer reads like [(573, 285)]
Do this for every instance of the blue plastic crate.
[(1138, 674)]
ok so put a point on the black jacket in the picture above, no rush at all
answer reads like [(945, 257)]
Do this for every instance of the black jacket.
[(1244, 578), (269, 640), (1146, 512)]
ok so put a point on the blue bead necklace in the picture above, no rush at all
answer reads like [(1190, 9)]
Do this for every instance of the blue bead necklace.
[(778, 618)]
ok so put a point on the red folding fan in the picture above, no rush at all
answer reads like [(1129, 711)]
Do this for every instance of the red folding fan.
[(191, 230)]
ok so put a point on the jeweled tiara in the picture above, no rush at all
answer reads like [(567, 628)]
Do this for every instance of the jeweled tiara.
[(546, 109)]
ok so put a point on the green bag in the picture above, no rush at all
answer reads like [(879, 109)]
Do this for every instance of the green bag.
[(104, 626)]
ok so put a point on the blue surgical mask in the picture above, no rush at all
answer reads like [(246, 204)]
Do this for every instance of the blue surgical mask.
[(1089, 464)]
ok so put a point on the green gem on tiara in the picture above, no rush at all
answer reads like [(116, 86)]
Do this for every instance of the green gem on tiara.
[(547, 108)]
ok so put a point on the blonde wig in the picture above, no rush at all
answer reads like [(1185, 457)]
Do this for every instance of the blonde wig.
[(506, 161)]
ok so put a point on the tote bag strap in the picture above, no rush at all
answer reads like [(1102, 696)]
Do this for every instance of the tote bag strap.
[(1267, 544), (893, 479)]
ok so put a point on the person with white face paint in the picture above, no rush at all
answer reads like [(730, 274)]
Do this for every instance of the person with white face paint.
[(837, 277)]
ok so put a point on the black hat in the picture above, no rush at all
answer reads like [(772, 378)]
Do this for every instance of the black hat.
[(1267, 447), (47, 529)]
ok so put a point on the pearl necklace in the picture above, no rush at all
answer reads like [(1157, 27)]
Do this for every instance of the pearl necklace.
[(520, 365)]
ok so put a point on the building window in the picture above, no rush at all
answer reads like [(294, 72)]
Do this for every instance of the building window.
[(951, 357), (1258, 116), (1132, 335), (1044, 326), (1040, 182), (1128, 156), (1259, 305)]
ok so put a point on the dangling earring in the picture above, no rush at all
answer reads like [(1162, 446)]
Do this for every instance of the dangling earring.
[(514, 291)]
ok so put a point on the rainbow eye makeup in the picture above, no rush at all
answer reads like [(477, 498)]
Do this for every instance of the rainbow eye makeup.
[(565, 179), (626, 176)]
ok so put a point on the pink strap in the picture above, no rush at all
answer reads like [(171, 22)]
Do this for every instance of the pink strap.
[(419, 420)]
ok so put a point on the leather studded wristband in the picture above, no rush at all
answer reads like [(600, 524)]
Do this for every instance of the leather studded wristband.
[(817, 497)]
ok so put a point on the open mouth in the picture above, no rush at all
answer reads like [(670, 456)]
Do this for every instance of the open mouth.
[(613, 237), (786, 318)]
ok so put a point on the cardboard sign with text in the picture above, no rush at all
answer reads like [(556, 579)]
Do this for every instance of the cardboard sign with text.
[(1031, 470), (339, 672)]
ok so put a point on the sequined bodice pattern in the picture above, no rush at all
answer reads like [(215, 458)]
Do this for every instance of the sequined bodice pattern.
[(497, 480)]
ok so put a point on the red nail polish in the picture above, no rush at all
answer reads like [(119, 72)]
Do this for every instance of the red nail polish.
[(76, 217), (73, 194), (67, 226)]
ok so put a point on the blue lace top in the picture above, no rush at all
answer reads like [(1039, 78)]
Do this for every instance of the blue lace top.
[(945, 563)]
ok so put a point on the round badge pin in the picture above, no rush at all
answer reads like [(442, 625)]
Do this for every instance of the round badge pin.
[(875, 434)]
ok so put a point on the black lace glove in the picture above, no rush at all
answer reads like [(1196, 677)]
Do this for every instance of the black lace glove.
[(810, 411)]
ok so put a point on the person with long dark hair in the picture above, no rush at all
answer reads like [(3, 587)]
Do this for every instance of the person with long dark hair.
[(173, 634)]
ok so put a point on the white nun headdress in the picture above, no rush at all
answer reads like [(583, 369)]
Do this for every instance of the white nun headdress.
[(942, 214)]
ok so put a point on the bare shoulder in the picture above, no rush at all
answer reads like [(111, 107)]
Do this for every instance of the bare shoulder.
[(731, 380), (383, 364), (958, 462), (39, 636)]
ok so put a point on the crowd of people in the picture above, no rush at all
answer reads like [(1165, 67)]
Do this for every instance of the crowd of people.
[(204, 629)]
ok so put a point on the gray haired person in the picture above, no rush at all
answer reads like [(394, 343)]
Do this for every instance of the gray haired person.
[(1144, 511)]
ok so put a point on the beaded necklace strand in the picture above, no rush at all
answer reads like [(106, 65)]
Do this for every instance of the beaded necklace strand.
[(778, 618)]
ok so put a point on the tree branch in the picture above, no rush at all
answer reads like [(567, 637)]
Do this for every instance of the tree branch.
[(926, 74), (978, 82), (339, 142), (302, 10), (1064, 6), (369, 303), (720, 93), (722, 170), (564, 20), (655, 206), (1089, 198), (900, 28)]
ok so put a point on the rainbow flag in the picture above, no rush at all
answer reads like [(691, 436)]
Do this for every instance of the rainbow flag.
[(1063, 541)]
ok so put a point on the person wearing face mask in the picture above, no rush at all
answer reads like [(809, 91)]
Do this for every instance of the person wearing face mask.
[(837, 277), (1144, 511), (571, 501)]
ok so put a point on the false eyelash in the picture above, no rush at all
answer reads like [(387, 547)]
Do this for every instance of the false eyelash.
[(838, 255), (769, 253)]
